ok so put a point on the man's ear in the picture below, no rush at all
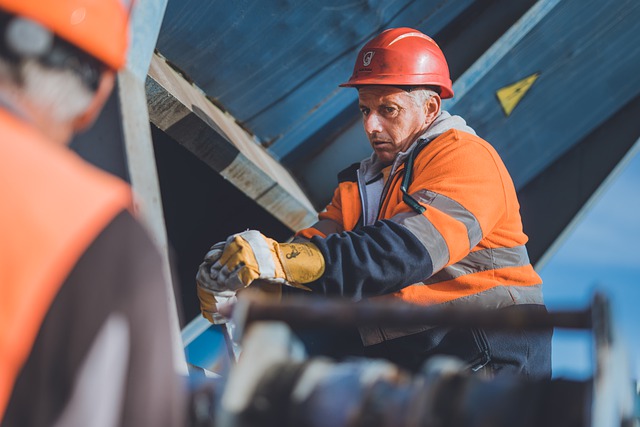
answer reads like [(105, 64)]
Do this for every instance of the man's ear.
[(86, 119), (432, 108)]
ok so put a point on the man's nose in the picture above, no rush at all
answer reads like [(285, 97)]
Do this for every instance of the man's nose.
[(372, 124)]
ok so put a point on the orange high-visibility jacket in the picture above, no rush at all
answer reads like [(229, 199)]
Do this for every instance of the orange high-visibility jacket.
[(53, 205), (467, 247)]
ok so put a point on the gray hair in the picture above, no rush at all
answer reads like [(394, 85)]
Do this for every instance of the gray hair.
[(61, 92), (421, 95)]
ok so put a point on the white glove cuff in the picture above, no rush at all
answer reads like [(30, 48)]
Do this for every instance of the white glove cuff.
[(262, 252)]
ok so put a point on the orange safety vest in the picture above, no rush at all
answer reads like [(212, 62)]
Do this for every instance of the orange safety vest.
[(471, 225), (53, 205)]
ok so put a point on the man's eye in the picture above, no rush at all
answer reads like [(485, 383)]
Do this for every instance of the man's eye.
[(364, 111), (389, 110)]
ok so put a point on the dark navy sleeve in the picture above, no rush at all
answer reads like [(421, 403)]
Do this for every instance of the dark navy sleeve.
[(373, 260)]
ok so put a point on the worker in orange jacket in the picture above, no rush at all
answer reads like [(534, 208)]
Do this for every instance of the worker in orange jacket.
[(430, 218), (83, 335)]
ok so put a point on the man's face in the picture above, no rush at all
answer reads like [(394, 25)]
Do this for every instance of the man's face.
[(392, 119)]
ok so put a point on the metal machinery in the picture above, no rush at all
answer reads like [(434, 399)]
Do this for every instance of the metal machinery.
[(275, 384)]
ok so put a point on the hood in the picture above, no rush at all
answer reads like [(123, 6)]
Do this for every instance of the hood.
[(443, 123)]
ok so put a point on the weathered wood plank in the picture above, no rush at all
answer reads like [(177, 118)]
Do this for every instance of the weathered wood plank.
[(184, 113)]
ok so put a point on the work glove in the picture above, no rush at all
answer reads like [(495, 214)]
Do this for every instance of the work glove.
[(210, 268), (211, 295), (251, 256)]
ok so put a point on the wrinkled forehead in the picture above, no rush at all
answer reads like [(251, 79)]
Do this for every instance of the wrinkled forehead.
[(381, 94)]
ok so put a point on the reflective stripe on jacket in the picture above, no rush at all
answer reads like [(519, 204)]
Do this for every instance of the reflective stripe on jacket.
[(467, 247), (53, 206)]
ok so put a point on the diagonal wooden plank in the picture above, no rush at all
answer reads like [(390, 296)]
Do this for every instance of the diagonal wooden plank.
[(181, 110)]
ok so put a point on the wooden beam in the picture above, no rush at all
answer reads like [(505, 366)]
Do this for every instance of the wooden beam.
[(145, 24), (183, 112)]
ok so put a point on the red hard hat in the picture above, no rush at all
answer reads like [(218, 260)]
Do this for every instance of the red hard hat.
[(402, 57), (99, 27)]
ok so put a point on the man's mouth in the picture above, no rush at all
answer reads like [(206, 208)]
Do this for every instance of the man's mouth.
[(379, 143)]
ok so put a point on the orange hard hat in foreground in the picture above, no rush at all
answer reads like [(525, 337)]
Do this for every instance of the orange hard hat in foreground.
[(98, 27), (402, 57)]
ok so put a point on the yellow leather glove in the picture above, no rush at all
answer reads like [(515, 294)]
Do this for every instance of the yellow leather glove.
[(211, 303), (250, 256), (211, 295)]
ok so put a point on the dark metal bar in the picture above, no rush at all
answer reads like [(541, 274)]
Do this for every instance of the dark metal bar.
[(324, 312)]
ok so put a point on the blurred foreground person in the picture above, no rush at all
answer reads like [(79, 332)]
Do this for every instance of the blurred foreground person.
[(84, 332)]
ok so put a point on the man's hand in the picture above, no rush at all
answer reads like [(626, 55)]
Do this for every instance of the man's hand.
[(249, 256), (211, 295), (211, 303), (210, 268)]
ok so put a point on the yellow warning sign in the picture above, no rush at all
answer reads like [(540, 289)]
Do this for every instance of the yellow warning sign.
[(510, 96)]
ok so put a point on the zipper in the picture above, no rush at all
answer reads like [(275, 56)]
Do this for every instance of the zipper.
[(363, 195), (483, 346), (385, 191), (407, 161)]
